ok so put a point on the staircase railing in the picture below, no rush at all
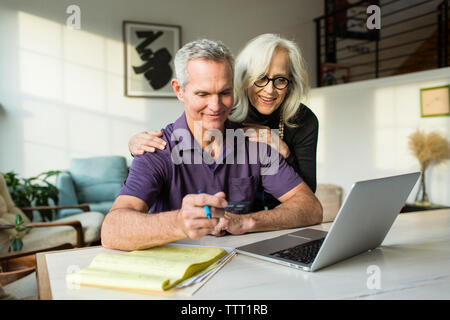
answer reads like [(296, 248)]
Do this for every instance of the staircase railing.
[(443, 34), (413, 36)]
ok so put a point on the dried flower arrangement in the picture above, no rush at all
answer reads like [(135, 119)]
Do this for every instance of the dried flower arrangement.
[(431, 148)]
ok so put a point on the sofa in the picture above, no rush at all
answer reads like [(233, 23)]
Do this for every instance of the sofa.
[(95, 181)]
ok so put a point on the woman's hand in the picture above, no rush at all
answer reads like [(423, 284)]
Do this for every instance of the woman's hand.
[(146, 141), (263, 134)]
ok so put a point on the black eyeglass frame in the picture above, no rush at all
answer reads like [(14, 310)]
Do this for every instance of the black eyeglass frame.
[(273, 82)]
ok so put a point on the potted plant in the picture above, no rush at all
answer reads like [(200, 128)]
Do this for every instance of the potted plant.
[(34, 191)]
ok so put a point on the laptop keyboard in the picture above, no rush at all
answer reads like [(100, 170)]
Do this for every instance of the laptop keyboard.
[(304, 253)]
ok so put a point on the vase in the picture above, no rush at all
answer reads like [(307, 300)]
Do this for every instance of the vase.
[(422, 196)]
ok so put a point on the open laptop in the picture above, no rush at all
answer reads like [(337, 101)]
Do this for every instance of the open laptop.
[(364, 219)]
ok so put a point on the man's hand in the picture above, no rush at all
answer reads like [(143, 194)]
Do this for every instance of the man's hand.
[(219, 229), (299, 208), (192, 219), (238, 223), (234, 224)]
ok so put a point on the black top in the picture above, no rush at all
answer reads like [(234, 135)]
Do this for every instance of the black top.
[(302, 143)]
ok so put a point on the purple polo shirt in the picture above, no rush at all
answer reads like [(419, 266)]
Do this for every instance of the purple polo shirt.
[(161, 179)]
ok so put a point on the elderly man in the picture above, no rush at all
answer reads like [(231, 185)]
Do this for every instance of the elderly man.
[(160, 201)]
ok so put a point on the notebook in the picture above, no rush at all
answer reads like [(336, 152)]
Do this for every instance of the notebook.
[(168, 268)]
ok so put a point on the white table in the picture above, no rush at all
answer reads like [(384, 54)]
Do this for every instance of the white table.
[(413, 263)]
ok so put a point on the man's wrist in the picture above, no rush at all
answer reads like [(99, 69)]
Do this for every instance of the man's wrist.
[(178, 227)]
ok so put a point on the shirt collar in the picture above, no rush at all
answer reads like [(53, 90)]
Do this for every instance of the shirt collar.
[(186, 141)]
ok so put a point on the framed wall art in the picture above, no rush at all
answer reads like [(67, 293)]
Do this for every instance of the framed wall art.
[(149, 51), (332, 74), (434, 101)]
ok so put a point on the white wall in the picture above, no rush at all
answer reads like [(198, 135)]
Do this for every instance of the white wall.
[(364, 128), (62, 90)]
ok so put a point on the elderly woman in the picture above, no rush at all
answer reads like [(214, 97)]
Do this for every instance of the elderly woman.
[(270, 82)]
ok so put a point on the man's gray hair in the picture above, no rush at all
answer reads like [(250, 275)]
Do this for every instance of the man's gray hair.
[(200, 49)]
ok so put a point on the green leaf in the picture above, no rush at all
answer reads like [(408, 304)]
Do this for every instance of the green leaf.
[(33, 191), (22, 228), (16, 244), (18, 220)]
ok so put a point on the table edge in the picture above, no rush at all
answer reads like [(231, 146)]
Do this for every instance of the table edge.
[(43, 279)]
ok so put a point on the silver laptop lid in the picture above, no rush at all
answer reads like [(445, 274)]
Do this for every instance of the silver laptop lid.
[(365, 217)]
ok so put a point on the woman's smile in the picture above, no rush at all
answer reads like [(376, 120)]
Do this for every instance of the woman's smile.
[(266, 100)]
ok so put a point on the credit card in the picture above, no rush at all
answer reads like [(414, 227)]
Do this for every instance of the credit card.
[(236, 205)]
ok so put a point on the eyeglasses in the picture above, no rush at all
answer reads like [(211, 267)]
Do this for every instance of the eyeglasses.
[(279, 83)]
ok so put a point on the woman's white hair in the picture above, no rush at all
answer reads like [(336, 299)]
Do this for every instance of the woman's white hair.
[(253, 63), (199, 49)]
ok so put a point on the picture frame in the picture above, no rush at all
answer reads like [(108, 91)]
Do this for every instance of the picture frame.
[(333, 74), (435, 101), (149, 52)]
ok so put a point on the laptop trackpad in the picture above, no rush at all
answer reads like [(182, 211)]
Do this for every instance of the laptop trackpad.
[(266, 247), (312, 234), (269, 246)]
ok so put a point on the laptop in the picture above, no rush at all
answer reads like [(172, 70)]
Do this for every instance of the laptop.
[(364, 219)]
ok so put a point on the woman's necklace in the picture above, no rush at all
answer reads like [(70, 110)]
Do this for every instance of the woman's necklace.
[(281, 128)]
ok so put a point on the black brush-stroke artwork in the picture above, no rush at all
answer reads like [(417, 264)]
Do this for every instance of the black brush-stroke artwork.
[(156, 68)]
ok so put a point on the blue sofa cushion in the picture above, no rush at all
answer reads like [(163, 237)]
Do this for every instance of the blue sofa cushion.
[(68, 212), (102, 207), (66, 190), (98, 179)]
